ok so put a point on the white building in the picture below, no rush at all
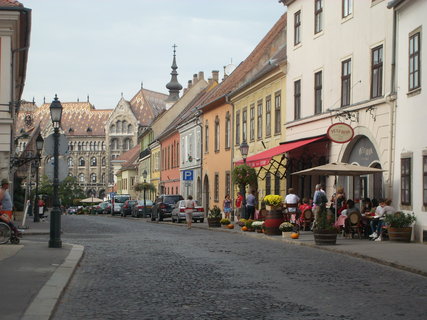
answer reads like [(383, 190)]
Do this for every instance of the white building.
[(410, 180), (339, 70)]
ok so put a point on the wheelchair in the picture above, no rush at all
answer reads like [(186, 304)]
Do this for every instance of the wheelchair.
[(6, 234)]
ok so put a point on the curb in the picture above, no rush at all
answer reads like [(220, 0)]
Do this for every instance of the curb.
[(43, 305)]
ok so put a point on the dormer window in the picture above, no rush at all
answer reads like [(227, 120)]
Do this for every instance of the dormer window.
[(89, 129), (70, 130)]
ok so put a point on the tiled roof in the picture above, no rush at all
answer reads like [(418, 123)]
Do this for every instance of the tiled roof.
[(10, 3), (130, 157), (265, 50), (78, 118), (147, 105)]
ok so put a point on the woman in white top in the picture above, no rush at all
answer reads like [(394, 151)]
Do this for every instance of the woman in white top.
[(189, 208)]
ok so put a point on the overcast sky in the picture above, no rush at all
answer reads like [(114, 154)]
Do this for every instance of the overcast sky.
[(103, 48)]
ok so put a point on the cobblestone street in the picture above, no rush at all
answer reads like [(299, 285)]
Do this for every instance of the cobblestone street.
[(134, 269)]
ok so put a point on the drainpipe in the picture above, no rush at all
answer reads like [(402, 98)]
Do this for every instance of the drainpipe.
[(227, 100), (199, 124)]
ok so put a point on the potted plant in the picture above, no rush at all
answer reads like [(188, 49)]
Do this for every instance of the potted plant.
[(258, 226), (241, 222), (224, 221), (214, 217), (286, 228), (400, 226), (248, 225), (324, 231), (273, 202)]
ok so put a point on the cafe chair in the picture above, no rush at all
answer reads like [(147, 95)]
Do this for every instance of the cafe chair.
[(354, 224)]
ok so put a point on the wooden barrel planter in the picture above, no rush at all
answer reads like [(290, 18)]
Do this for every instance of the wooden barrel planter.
[(272, 221), (325, 237), (214, 222), (400, 234)]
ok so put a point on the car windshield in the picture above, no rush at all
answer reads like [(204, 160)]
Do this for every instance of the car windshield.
[(147, 202), (121, 198), (172, 199)]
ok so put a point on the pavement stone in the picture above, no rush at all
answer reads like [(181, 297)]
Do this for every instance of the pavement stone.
[(38, 275)]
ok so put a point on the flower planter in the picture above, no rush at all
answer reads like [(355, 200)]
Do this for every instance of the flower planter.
[(400, 234), (273, 219), (325, 237), (214, 222), (273, 208), (259, 230), (287, 234)]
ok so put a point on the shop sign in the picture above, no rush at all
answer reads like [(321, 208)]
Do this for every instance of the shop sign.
[(340, 132)]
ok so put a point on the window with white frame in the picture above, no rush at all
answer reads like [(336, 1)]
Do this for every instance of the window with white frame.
[(414, 61), (268, 116), (405, 181), (70, 162), (245, 124), (277, 113), (297, 28), (318, 92), (345, 82), (93, 178), (347, 8), (81, 177), (259, 120), (252, 122), (377, 72), (297, 99), (93, 161), (318, 16), (82, 162)]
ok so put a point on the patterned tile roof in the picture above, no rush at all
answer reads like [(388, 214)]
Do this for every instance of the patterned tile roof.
[(10, 3), (130, 157), (263, 52), (147, 105), (78, 118)]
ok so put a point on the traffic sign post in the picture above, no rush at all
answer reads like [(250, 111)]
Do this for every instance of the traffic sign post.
[(187, 175)]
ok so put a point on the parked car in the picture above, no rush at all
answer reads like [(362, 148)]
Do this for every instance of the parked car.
[(138, 209), (126, 209), (119, 200), (102, 208), (72, 210), (178, 213), (163, 206)]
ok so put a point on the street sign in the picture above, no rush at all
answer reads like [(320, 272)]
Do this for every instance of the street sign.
[(48, 145), (62, 169), (187, 175)]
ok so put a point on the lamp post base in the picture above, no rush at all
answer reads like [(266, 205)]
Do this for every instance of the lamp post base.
[(55, 228)]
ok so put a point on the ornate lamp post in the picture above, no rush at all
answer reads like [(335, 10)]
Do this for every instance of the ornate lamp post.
[(244, 149), (55, 216), (39, 147), (144, 175)]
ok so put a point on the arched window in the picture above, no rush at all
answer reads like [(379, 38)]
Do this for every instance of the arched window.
[(124, 126), (127, 145), (93, 178), (129, 128), (70, 162), (93, 161), (79, 146), (103, 163), (103, 146), (70, 146), (81, 177), (114, 144), (103, 178), (113, 128), (81, 162), (119, 126)]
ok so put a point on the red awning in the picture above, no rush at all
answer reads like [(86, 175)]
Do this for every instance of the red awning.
[(263, 158)]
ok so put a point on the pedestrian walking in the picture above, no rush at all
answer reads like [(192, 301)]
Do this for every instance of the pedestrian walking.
[(189, 207), (239, 207), (250, 205)]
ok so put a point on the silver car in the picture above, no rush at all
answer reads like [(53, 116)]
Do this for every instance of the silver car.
[(178, 212)]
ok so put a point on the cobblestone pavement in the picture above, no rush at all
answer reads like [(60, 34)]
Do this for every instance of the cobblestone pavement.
[(134, 269)]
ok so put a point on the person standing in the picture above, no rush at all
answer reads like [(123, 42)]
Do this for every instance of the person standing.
[(291, 201), (189, 208), (239, 208), (227, 206), (250, 205)]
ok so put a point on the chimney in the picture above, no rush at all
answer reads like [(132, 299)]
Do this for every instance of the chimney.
[(190, 84), (195, 78), (201, 75), (215, 75)]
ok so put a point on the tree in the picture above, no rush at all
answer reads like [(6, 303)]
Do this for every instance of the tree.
[(69, 190), (149, 187)]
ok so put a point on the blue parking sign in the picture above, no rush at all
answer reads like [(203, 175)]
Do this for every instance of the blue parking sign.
[(187, 175)]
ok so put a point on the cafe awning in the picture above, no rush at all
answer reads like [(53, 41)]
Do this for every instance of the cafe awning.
[(263, 158)]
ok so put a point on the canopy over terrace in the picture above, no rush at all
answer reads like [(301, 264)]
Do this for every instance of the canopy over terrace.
[(264, 160)]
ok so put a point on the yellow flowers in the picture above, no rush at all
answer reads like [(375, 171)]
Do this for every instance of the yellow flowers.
[(273, 200)]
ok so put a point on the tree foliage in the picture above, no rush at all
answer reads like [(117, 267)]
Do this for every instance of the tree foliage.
[(244, 175), (68, 190)]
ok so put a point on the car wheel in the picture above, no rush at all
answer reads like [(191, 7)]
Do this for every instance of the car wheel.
[(201, 220)]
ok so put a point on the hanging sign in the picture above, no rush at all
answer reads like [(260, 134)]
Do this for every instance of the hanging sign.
[(340, 132)]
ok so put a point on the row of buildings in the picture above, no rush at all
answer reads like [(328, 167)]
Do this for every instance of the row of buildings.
[(322, 63)]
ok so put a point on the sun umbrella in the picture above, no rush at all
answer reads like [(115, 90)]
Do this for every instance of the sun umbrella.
[(92, 200), (338, 169)]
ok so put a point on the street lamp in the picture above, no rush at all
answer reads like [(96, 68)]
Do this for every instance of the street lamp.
[(39, 148), (144, 175), (244, 149), (55, 216)]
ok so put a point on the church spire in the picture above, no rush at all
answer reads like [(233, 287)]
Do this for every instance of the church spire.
[(174, 86)]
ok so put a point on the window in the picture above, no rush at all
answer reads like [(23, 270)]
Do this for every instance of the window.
[(259, 119), (425, 180), (114, 144), (268, 183), (268, 116), (128, 144), (377, 72), (70, 162), (347, 8), (93, 161), (297, 99), (252, 123), (277, 183), (118, 127), (93, 178), (297, 27), (227, 130), (414, 61), (129, 128), (318, 92), (81, 162), (217, 134), (318, 16), (238, 127), (216, 189), (345, 82), (113, 129), (103, 178), (277, 113), (227, 182), (245, 124), (405, 181), (103, 162), (81, 177), (206, 137)]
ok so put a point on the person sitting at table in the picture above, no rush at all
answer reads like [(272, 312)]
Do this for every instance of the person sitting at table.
[(350, 210), (375, 219), (386, 209), (302, 207), (291, 201)]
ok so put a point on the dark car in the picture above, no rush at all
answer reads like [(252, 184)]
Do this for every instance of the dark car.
[(126, 209), (101, 208), (138, 209), (163, 206)]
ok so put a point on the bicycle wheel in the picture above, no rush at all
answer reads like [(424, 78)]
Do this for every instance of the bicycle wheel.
[(5, 233)]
